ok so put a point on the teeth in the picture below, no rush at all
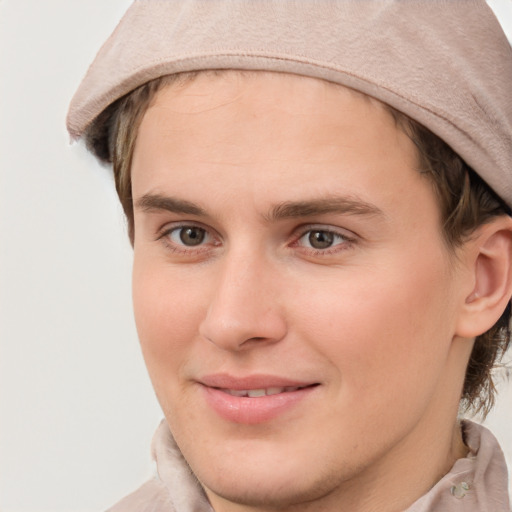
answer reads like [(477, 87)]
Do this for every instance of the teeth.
[(255, 393), (237, 392)]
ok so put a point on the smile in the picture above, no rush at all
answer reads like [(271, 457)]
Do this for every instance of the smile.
[(255, 393), (247, 401)]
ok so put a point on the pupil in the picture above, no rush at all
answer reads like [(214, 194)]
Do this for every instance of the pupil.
[(321, 239), (192, 236)]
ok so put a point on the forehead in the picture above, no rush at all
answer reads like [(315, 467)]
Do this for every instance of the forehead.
[(244, 101), (290, 94), (281, 134), (270, 93)]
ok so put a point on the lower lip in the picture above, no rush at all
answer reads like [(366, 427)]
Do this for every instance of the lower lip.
[(251, 411)]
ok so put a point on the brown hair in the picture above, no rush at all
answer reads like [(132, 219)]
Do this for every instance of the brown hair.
[(466, 203), (465, 200)]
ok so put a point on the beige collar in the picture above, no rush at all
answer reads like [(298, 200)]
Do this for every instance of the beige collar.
[(477, 483)]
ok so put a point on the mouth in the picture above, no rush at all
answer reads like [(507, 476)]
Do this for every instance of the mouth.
[(256, 399), (256, 393)]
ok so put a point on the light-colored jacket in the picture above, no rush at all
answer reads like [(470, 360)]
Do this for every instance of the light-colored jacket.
[(477, 483)]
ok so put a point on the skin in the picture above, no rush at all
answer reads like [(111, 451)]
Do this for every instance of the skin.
[(375, 320)]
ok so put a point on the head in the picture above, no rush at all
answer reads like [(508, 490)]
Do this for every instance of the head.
[(319, 281), (465, 203), (272, 224)]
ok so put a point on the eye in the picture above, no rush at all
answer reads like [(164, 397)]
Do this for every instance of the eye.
[(188, 240), (321, 239), (189, 236)]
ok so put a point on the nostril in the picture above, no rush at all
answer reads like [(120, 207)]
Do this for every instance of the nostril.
[(241, 325)]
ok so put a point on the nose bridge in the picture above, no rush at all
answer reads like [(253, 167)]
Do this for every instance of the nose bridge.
[(245, 303)]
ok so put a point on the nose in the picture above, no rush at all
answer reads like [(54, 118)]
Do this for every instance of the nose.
[(244, 310)]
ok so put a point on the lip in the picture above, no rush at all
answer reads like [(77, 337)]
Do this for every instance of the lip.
[(253, 410)]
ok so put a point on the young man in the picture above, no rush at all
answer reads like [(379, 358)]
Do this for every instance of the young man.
[(318, 198)]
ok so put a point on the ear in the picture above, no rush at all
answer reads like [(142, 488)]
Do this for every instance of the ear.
[(488, 255)]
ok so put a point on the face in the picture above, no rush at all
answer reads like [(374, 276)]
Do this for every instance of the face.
[(295, 302)]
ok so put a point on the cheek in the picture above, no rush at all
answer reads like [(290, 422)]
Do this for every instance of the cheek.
[(167, 314), (380, 332)]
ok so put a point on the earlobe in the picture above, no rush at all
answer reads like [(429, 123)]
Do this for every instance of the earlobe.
[(490, 265)]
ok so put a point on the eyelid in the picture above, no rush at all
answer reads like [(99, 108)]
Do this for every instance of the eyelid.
[(172, 225), (164, 232), (328, 228), (349, 238)]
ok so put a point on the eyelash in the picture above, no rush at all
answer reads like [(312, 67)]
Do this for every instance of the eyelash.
[(346, 241), (165, 237)]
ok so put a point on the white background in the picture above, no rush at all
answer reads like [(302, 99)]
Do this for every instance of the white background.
[(76, 408)]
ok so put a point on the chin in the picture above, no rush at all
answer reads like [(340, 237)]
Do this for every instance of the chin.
[(259, 474), (269, 490)]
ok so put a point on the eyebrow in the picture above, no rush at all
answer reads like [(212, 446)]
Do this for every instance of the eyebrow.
[(155, 202), (337, 205), (286, 210)]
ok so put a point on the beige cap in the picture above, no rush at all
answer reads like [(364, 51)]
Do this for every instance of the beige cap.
[(445, 63)]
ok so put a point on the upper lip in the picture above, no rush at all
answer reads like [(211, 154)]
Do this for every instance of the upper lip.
[(225, 381)]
